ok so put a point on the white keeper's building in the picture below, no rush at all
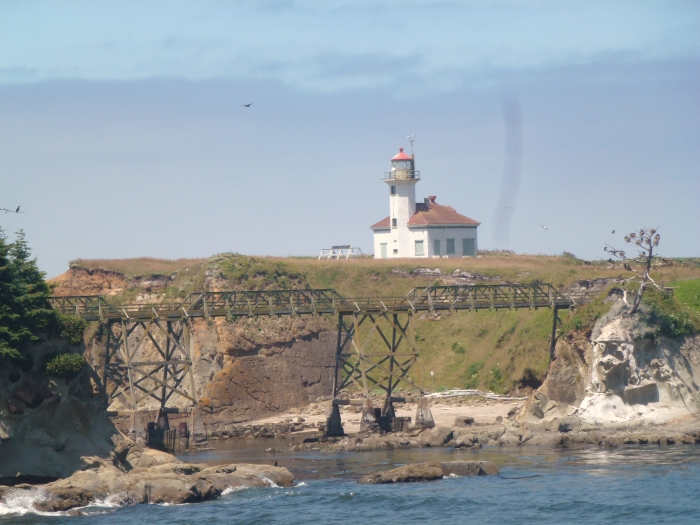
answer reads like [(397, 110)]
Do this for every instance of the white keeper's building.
[(423, 229)]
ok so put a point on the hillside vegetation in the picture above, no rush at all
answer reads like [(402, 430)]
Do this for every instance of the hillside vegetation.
[(495, 350)]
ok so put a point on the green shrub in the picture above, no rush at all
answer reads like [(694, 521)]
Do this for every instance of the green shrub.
[(65, 365), (71, 328), (473, 374), (457, 348), (497, 381)]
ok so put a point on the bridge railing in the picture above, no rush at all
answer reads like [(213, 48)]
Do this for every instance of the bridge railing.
[(264, 302), (324, 301)]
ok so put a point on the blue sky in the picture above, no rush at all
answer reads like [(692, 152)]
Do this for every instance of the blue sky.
[(122, 132)]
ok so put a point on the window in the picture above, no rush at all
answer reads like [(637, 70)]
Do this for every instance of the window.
[(396, 251), (436, 247), (393, 190), (394, 223), (468, 247), (450, 246), (419, 248)]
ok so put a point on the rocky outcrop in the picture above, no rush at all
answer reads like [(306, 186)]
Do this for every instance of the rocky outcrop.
[(431, 471), (625, 372), (50, 427), (83, 281), (169, 482)]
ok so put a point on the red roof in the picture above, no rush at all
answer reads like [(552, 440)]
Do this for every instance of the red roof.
[(401, 156), (382, 225), (432, 214)]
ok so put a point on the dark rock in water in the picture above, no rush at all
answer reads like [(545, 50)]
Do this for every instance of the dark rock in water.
[(407, 473), (431, 471), (469, 468), (64, 499)]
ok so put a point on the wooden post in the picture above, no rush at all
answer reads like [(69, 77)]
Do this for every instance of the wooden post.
[(553, 340)]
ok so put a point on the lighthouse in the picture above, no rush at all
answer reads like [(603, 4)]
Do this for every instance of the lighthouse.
[(423, 229)]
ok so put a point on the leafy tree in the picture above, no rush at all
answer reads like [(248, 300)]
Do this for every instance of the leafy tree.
[(25, 313)]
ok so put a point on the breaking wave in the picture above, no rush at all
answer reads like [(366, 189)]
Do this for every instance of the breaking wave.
[(18, 502), (231, 490)]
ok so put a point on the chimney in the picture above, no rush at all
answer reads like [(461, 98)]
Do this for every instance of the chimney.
[(426, 201), (432, 198)]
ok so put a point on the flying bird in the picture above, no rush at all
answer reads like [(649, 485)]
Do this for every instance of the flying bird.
[(613, 231), (509, 208), (17, 210), (543, 226), (247, 105)]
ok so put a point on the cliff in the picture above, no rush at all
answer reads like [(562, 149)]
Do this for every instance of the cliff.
[(622, 371), (50, 427)]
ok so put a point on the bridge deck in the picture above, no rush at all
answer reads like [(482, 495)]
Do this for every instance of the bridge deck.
[(321, 301)]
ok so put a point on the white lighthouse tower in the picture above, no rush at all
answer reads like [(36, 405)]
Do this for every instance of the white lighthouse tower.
[(402, 179)]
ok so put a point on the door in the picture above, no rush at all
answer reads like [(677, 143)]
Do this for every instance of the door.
[(468, 247), (382, 247)]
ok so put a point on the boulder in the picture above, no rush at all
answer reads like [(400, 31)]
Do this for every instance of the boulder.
[(469, 468), (431, 471), (436, 437), (546, 440), (407, 473), (464, 421), (509, 440), (465, 440), (563, 424)]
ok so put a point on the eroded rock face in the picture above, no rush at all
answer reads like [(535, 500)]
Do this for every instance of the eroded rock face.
[(633, 378), (50, 427), (570, 372), (280, 364), (624, 373)]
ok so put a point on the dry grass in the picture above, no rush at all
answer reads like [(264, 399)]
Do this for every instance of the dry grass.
[(138, 266)]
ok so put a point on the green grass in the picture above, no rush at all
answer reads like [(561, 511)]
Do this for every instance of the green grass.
[(687, 293), (669, 315)]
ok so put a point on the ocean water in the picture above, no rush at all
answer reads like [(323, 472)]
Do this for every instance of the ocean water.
[(643, 484)]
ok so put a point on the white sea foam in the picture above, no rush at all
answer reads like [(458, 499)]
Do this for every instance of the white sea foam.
[(302, 484), (269, 482), (231, 490), (18, 502)]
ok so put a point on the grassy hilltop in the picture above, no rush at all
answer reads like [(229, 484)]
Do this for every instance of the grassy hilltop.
[(499, 350)]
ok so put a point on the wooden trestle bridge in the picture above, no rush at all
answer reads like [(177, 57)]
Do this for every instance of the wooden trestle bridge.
[(376, 345)]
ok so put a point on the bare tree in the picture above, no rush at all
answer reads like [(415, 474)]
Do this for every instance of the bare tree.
[(645, 241)]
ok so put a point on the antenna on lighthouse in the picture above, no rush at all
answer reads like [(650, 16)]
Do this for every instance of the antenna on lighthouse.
[(411, 138)]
